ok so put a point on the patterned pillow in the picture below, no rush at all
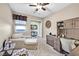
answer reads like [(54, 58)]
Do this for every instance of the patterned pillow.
[(1, 53), (20, 52)]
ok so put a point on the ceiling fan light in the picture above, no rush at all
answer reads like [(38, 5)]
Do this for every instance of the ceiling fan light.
[(38, 6)]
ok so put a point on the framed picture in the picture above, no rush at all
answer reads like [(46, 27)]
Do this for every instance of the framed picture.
[(34, 27)]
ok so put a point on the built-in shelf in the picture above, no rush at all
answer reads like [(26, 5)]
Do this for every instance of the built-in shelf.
[(60, 28)]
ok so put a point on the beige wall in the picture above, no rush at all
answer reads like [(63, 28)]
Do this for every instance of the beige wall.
[(28, 23), (5, 22), (68, 12), (29, 16)]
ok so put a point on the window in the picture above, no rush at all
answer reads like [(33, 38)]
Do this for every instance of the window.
[(20, 26)]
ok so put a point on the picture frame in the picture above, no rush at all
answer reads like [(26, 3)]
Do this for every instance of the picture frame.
[(34, 27)]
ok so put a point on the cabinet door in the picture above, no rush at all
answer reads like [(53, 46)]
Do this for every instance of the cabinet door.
[(68, 24), (76, 23)]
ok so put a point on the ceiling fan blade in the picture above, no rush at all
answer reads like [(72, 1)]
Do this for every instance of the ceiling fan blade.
[(33, 5), (44, 4), (36, 9), (43, 8)]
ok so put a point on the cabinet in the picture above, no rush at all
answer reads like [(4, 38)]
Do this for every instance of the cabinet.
[(60, 26)]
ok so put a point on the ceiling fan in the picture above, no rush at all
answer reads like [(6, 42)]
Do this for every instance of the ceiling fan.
[(39, 6)]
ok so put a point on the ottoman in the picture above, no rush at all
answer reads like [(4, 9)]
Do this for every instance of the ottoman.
[(31, 43)]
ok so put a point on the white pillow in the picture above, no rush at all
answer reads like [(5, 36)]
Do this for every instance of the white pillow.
[(67, 44), (73, 45)]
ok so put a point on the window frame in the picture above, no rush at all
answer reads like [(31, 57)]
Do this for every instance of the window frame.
[(19, 24)]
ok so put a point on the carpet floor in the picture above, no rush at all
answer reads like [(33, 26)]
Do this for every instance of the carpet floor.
[(44, 49)]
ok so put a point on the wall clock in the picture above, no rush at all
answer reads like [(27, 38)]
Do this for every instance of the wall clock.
[(48, 24)]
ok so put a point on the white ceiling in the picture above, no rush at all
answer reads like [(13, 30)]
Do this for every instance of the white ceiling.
[(24, 8)]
